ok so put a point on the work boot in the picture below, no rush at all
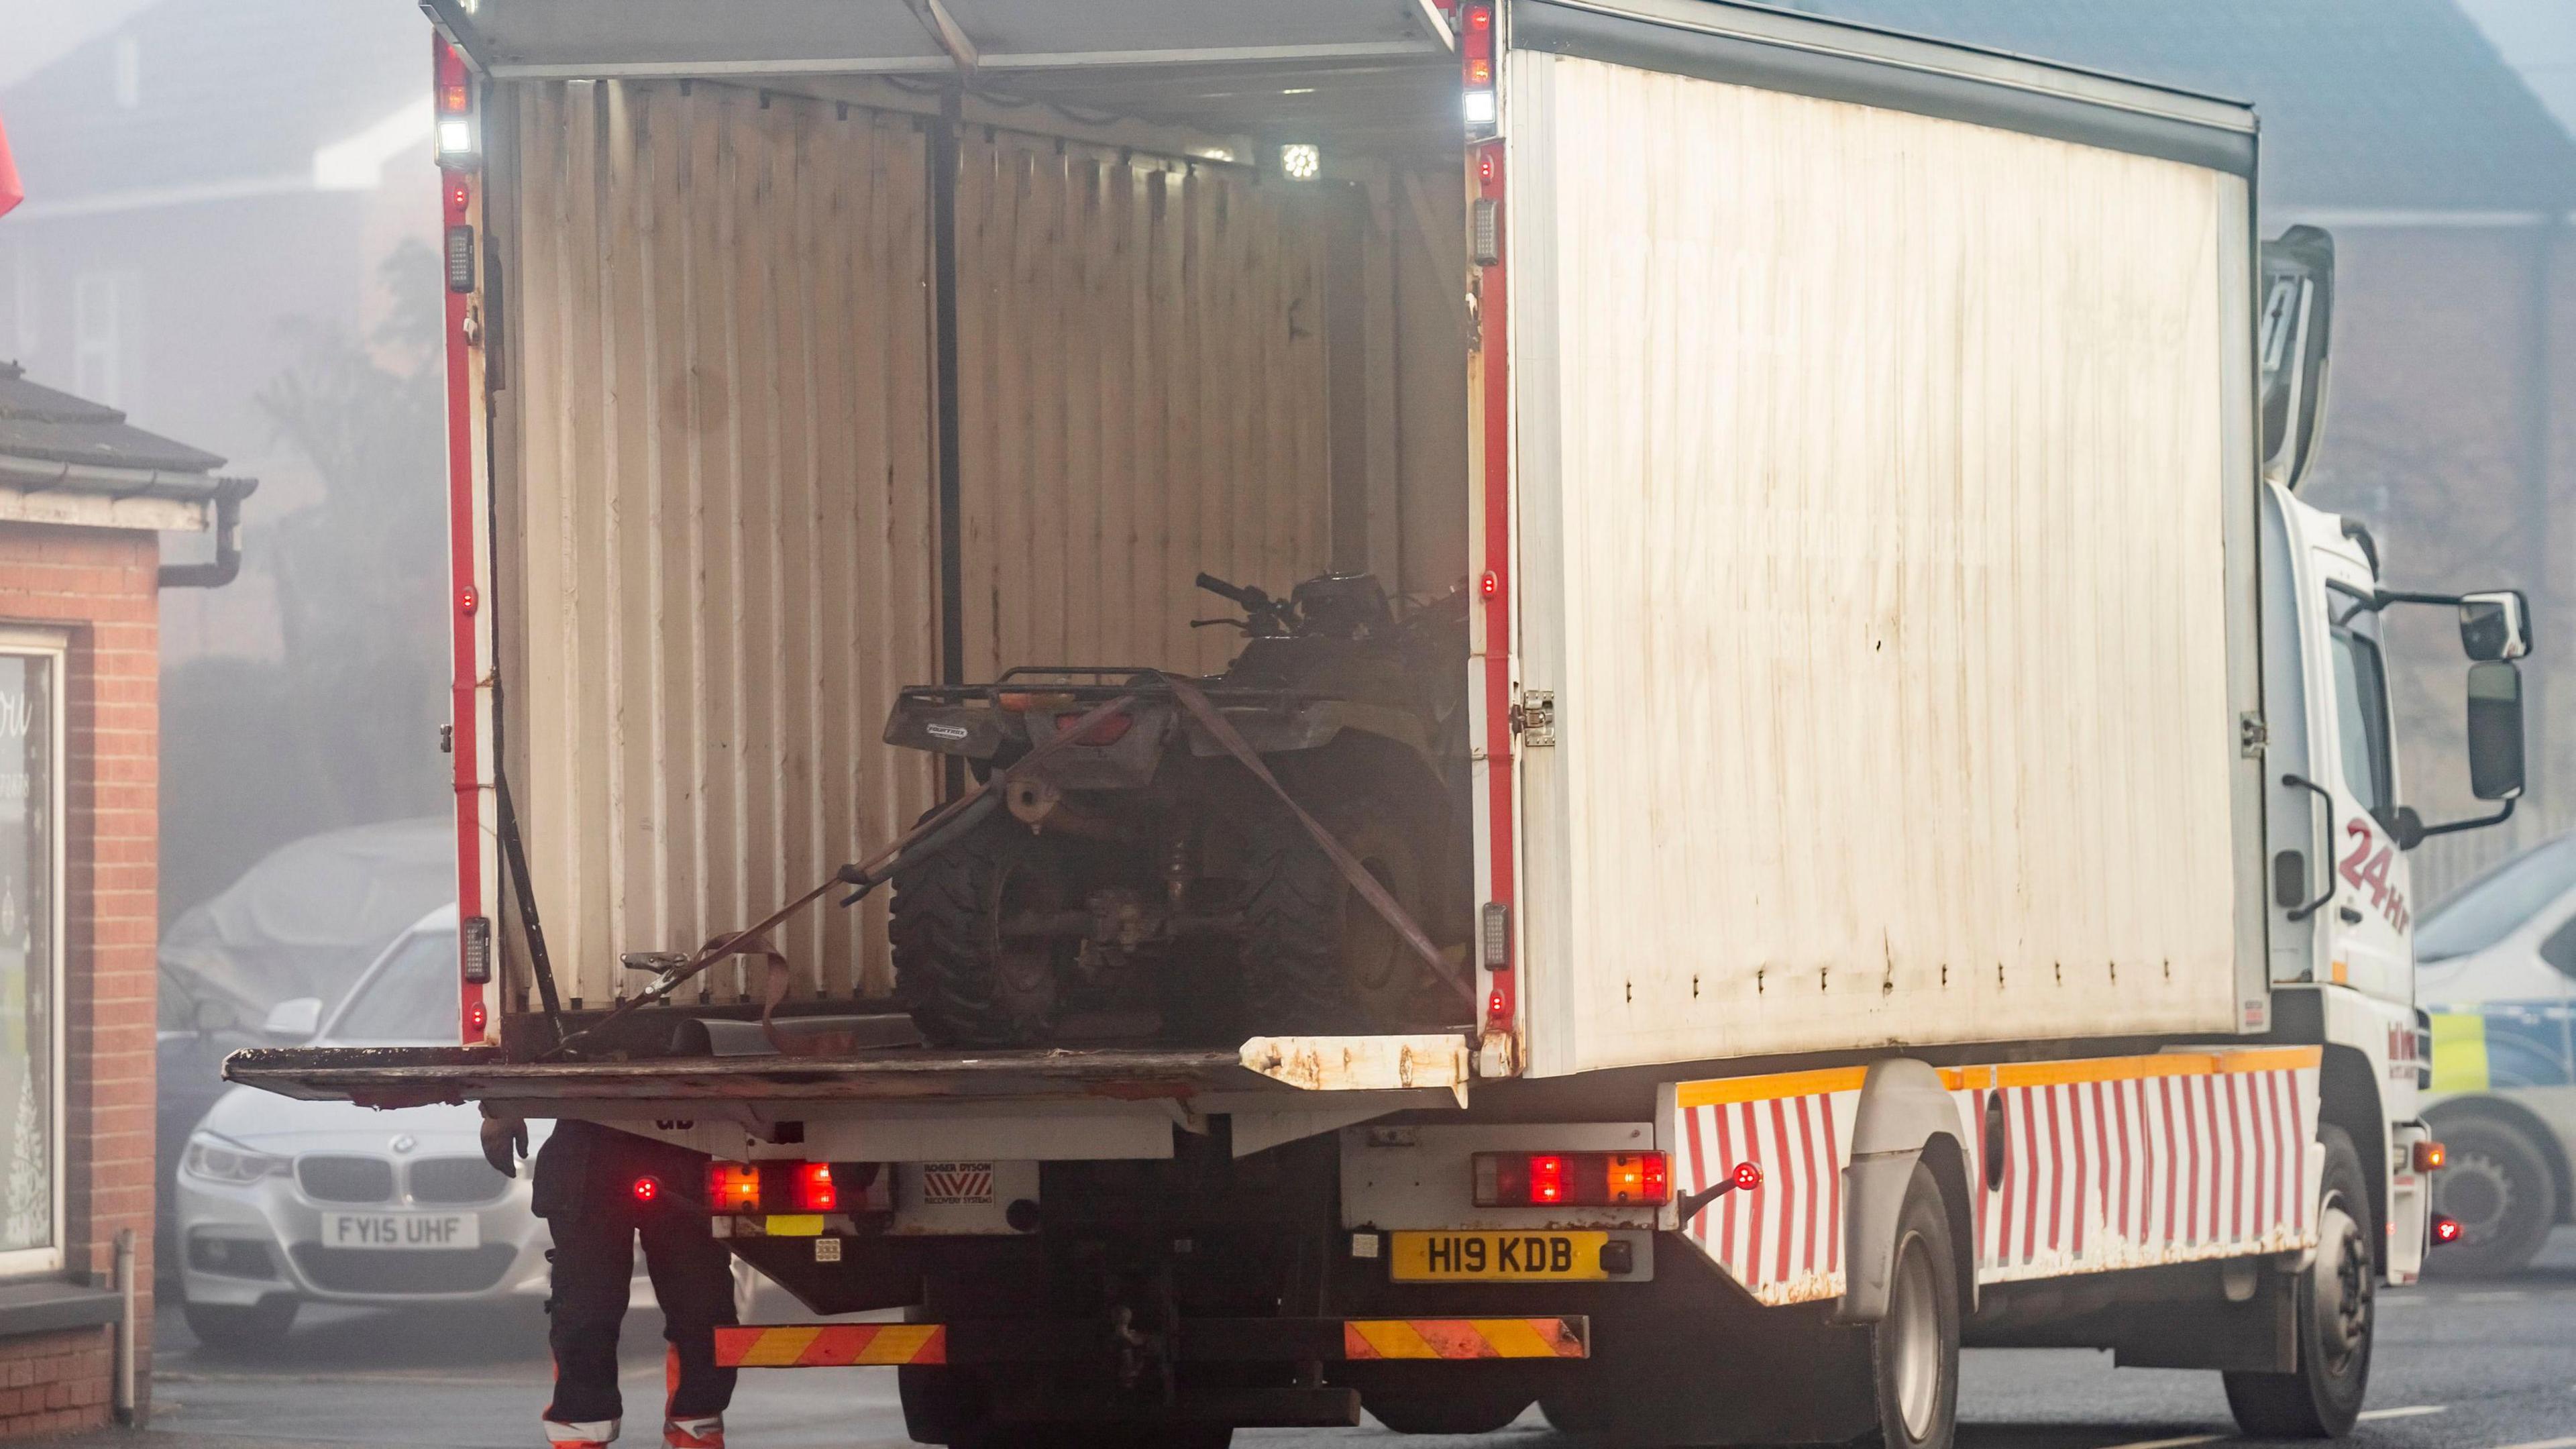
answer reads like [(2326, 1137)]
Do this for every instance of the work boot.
[(590, 1435), (706, 1433)]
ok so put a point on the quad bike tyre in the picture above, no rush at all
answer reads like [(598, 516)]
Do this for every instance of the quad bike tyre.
[(1318, 960), (2321, 1398), (964, 984)]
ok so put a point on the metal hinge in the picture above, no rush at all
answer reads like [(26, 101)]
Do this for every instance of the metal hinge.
[(2253, 736), (1534, 718)]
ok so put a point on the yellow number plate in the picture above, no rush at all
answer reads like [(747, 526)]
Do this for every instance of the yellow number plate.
[(1465, 1257)]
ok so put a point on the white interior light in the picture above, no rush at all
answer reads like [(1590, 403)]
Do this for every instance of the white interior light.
[(1480, 108), (455, 136), (1301, 161)]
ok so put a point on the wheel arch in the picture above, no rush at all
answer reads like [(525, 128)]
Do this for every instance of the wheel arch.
[(2348, 1097), (1905, 1116), (2509, 1113)]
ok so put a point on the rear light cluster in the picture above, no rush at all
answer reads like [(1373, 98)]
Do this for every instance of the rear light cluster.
[(1476, 55), (1573, 1179), (1108, 732), (771, 1187), (460, 140)]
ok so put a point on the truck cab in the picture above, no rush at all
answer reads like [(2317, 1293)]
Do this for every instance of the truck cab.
[(2343, 946)]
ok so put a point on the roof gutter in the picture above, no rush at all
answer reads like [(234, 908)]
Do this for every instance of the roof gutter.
[(226, 566), (37, 476)]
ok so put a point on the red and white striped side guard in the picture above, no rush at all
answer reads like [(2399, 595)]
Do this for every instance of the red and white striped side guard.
[(2122, 1162)]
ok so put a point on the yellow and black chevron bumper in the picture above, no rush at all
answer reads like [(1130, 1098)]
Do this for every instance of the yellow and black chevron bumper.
[(1237, 1340)]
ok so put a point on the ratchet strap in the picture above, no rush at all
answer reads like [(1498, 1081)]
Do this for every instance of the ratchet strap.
[(1222, 730), (863, 877)]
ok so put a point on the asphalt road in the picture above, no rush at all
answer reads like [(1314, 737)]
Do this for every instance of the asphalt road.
[(2460, 1366)]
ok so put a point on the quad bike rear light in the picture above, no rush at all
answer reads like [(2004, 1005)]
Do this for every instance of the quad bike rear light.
[(1108, 732), (1573, 1179)]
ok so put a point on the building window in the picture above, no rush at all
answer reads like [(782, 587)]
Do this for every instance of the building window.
[(31, 951), (107, 318)]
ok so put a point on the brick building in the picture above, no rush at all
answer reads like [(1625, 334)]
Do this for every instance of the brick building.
[(84, 499)]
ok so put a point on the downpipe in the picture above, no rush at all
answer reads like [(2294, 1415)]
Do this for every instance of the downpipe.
[(128, 1413), (226, 566)]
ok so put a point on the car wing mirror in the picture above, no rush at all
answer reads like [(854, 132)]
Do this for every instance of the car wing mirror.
[(296, 1018), (2560, 949), (2495, 626)]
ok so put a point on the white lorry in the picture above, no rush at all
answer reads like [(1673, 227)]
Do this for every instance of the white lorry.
[(1938, 868)]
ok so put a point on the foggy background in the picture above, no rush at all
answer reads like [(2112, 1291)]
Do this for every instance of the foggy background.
[(230, 229)]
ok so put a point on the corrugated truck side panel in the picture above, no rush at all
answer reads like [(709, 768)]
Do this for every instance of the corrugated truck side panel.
[(719, 518)]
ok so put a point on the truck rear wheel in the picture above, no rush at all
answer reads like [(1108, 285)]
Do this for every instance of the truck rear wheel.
[(964, 982), (2499, 1187), (1317, 958), (2321, 1398), (1914, 1350)]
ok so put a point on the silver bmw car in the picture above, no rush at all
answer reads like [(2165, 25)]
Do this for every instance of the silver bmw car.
[(282, 1203)]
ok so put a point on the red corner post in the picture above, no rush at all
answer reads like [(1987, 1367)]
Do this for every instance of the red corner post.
[(457, 193)]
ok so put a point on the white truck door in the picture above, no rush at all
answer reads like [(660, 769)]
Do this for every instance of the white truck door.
[(2370, 923)]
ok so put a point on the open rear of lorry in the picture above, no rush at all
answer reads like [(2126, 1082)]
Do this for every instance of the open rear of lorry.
[(1845, 446)]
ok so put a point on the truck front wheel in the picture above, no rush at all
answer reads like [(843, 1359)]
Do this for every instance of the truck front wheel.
[(1914, 1351), (2321, 1398), (965, 980)]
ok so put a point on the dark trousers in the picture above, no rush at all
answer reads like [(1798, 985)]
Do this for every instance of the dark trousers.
[(594, 1262)]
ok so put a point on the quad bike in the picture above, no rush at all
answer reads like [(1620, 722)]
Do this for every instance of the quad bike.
[(1144, 868)]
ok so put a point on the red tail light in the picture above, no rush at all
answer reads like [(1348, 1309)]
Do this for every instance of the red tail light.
[(733, 1187), (1748, 1175), (1573, 1179), (1476, 61), (477, 1017), (1108, 732), (2445, 1230), (814, 1192), (647, 1189)]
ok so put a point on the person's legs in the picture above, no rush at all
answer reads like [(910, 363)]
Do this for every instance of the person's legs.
[(693, 1277), (593, 1261)]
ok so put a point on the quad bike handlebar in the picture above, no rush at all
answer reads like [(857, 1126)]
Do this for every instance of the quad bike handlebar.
[(1265, 617)]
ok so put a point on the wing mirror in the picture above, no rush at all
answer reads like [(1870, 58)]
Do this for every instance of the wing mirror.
[(2495, 730), (2495, 626), (295, 1019), (2495, 752)]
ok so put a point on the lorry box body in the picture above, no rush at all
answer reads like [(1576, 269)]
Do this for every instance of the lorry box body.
[(1897, 740), (1810, 407)]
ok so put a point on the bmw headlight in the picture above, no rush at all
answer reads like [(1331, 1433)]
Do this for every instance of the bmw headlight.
[(217, 1160)]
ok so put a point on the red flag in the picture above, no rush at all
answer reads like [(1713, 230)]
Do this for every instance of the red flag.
[(11, 193)]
